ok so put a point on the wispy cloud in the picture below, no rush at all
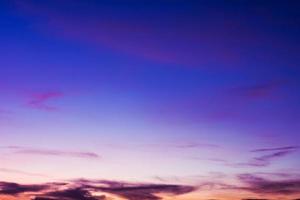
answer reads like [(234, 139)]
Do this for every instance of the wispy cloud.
[(287, 148), (40, 100), (52, 152), (264, 158), (260, 90), (192, 145), (273, 153)]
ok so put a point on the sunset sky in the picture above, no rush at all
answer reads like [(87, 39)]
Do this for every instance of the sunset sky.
[(149, 100)]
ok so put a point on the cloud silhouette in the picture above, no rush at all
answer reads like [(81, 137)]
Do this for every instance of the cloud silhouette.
[(69, 194), (265, 186), (147, 192), (86, 190), (8, 188), (52, 152)]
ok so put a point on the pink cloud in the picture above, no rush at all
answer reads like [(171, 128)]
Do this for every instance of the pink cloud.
[(40, 100)]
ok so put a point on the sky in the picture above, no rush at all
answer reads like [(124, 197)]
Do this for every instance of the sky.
[(149, 100)]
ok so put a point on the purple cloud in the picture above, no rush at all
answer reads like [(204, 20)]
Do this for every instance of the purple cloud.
[(161, 40), (8, 188), (260, 90), (288, 148), (51, 152), (85, 189), (265, 186), (70, 194), (266, 159), (40, 100)]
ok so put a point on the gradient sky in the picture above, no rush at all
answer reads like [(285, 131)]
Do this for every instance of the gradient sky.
[(149, 99)]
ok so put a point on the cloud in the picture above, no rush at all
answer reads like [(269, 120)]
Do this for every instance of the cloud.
[(261, 185), (147, 191), (157, 38), (288, 148), (258, 161), (192, 145), (51, 152), (86, 190), (40, 100), (137, 191), (69, 194), (266, 159), (8, 188), (260, 90)]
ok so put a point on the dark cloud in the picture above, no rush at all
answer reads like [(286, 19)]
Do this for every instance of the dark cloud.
[(137, 191), (69, 194), (147, 192), (8, 188), (265, 186), (52, 152), (85, 190)]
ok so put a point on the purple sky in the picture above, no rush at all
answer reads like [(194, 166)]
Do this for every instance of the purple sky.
[(194, 99)]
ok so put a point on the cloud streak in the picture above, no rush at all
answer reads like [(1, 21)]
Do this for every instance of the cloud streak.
[(40, 100), (260, 91), (52, 152), (271, 155)]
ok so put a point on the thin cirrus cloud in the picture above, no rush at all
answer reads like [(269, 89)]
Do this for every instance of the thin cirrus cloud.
[(263, 90), (274, 153), (85, 190), (287, 148), (41, 100), (157, 37), (52, 152), (265, 160)]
